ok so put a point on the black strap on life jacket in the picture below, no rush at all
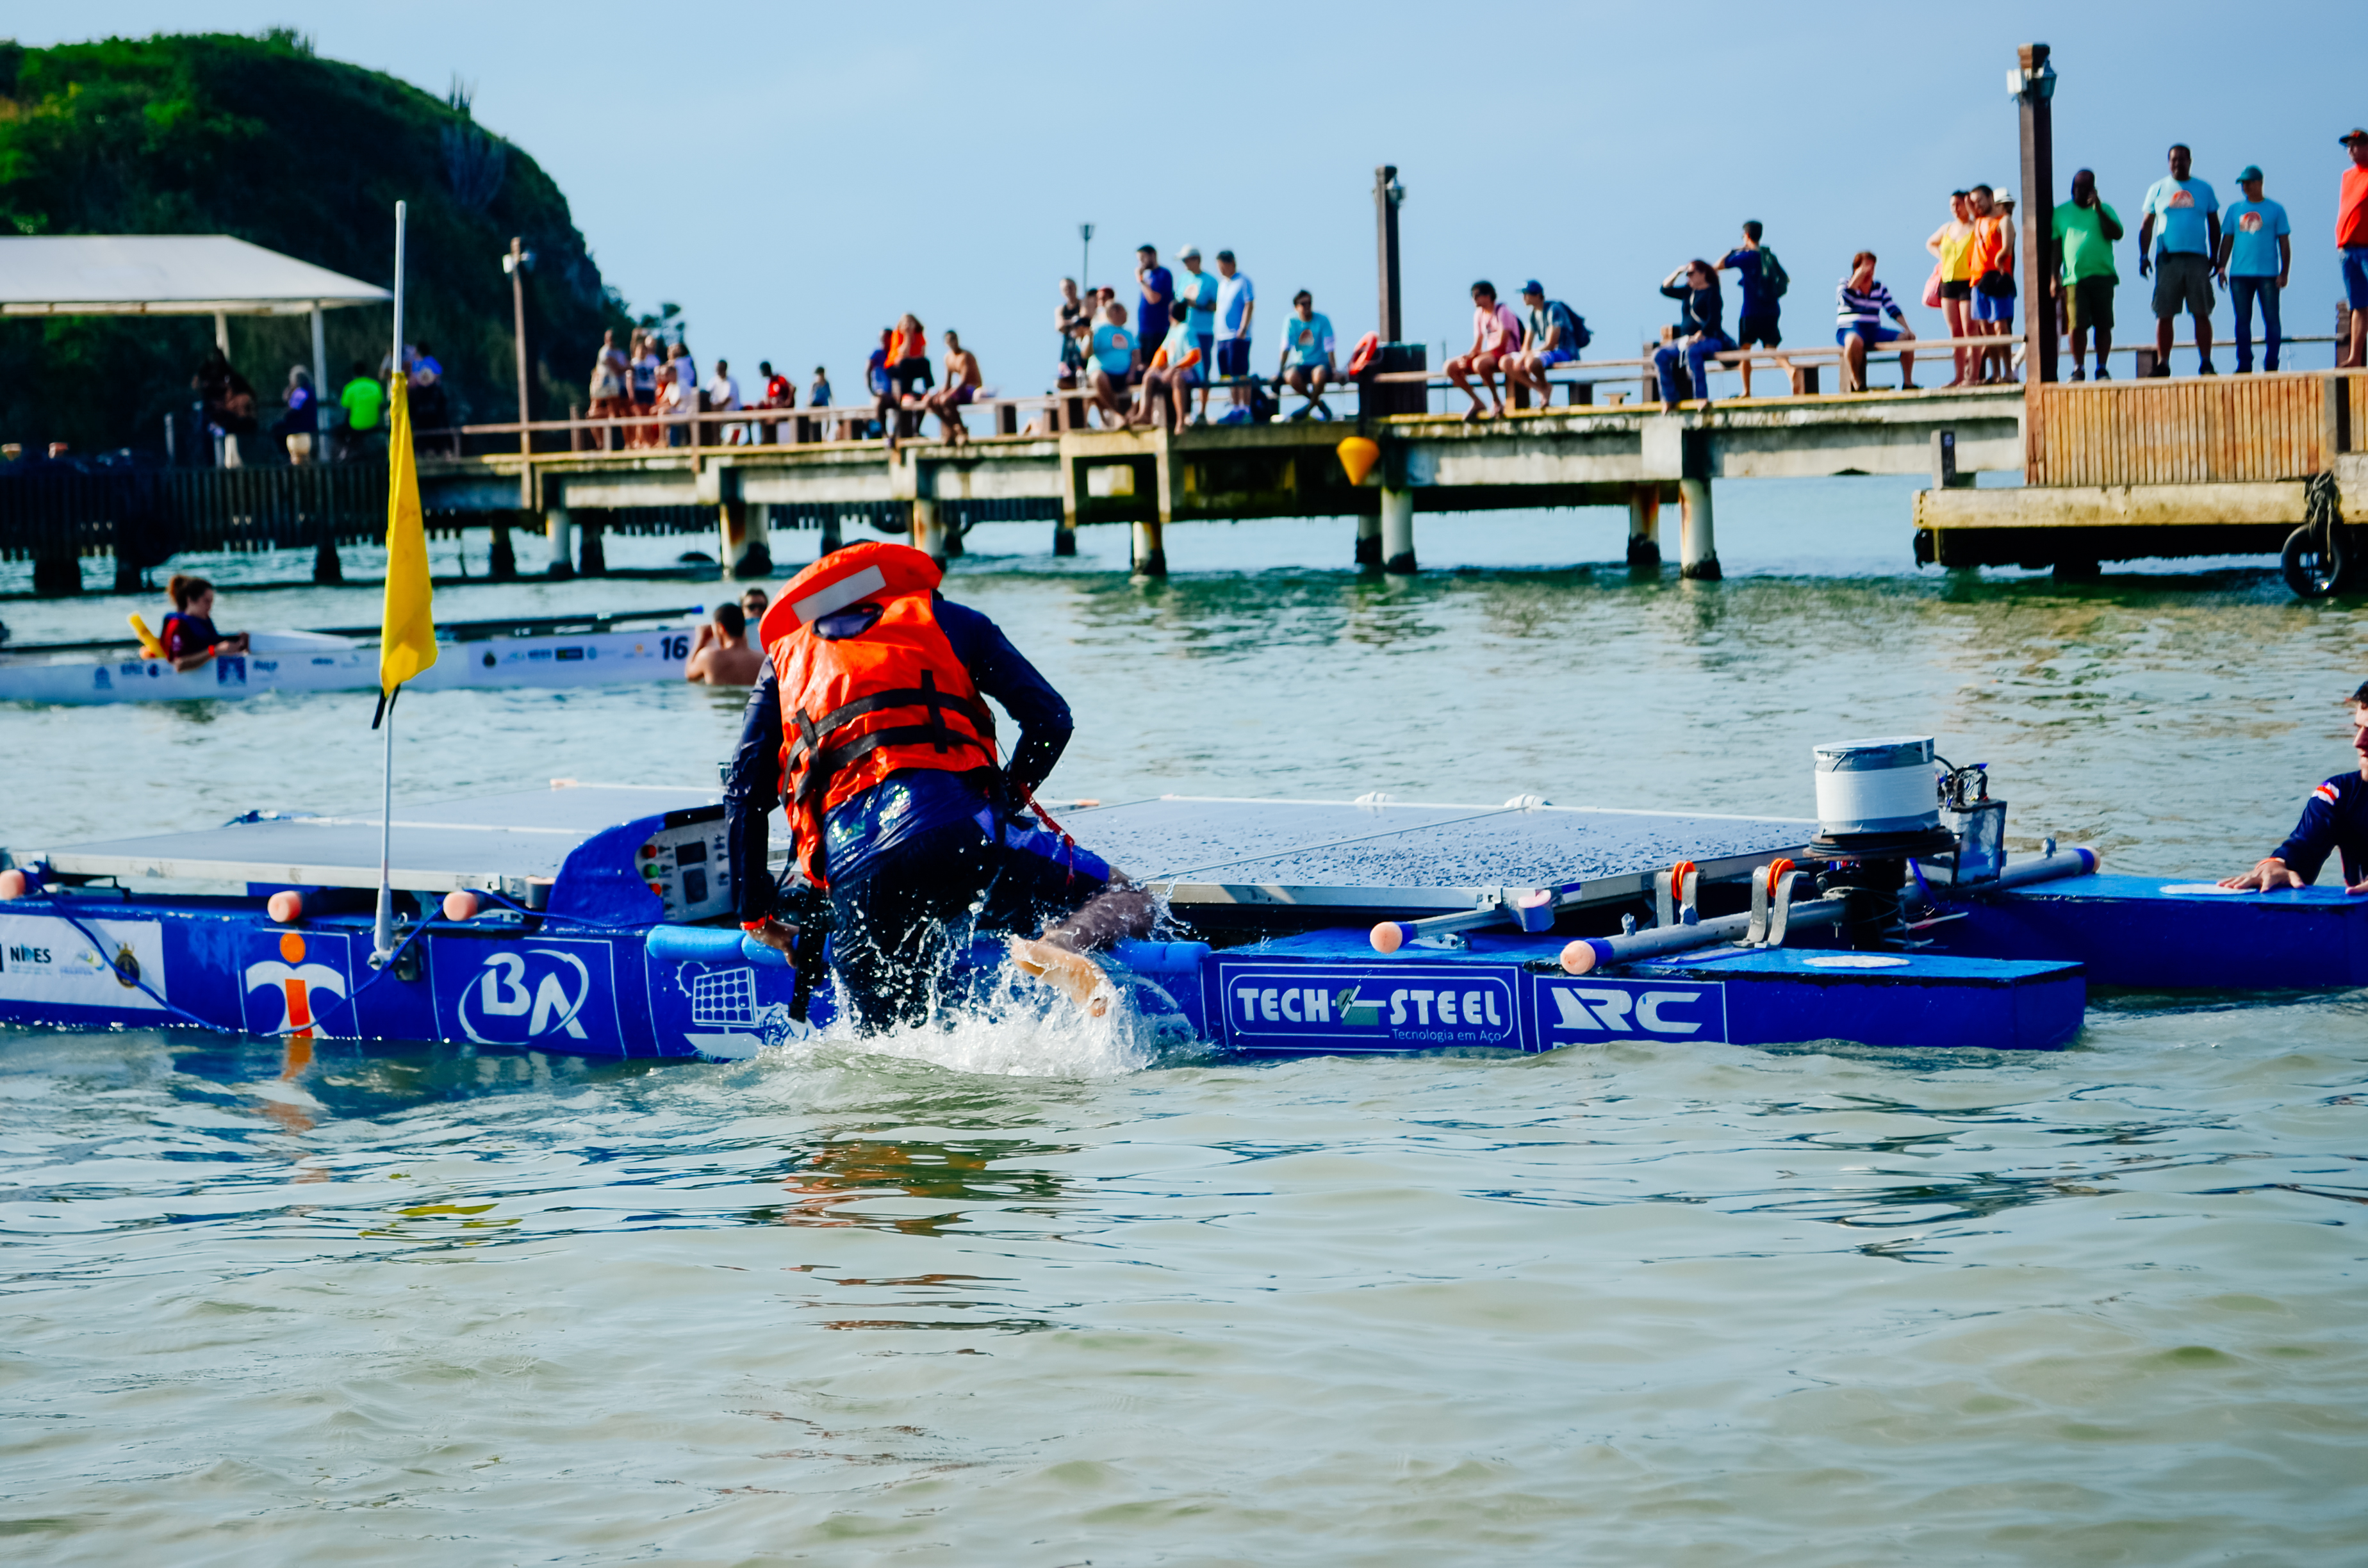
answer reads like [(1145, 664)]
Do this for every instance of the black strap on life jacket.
[(822, 762)]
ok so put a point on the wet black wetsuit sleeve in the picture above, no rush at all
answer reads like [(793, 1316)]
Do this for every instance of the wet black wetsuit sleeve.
[(750, 795), (2334, 818), (1000, 672)]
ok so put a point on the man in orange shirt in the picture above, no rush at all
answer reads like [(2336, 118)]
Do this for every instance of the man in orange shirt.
[(2352, 236)]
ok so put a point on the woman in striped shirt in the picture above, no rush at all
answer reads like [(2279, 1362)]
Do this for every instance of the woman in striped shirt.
[(1860, 305)]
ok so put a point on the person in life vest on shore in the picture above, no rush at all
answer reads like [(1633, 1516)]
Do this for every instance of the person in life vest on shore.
[(188, 635), (869, 725), (2334, 821)]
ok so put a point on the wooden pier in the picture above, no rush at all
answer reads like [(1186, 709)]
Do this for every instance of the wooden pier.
[(2110, 471), (1632, 458), (2121, 471)]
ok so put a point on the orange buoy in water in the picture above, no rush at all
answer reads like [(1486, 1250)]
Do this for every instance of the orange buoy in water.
[(1359, 455), (461, 905), (287, 907)]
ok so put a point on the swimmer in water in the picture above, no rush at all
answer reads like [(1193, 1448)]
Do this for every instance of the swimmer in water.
[(2334, 821), (189, 637), (720, 655)]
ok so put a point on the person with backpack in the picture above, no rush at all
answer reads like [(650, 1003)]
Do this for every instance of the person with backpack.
[(1556, 334), (1763, 280)]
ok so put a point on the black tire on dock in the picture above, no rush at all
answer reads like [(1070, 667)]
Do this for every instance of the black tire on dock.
[(2317, 559)]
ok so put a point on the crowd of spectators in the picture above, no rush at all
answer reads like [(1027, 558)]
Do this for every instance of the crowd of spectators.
[(1189, 330)]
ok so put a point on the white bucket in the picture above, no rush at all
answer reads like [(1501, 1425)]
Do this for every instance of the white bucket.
[(1889, 785)]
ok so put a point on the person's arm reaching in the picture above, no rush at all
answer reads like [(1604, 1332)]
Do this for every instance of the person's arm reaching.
[(1001, 672), (2296, 862), (749, 796), (2109, 222), (2285, 258)]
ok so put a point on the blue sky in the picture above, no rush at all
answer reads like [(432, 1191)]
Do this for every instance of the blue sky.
[(795, 175)]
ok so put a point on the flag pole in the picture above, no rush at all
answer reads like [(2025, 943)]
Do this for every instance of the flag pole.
[(384, 944)]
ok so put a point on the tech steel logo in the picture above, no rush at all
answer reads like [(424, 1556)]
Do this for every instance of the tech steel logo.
[(1394, 1006), (1592, 1009)]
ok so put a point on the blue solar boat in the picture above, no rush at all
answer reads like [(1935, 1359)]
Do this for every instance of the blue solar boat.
[(597, 921)]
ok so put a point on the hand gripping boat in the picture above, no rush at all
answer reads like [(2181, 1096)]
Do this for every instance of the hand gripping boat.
[(596, 920), (562, 651)]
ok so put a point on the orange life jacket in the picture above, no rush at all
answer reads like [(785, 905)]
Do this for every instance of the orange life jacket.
[(855, 709)]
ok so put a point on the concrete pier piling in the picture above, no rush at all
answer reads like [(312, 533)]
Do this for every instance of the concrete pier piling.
[(1397, 530), (1697, 539), (559, 530), (1645, 529), (1150, 549), (1369, 542), (929, 530)]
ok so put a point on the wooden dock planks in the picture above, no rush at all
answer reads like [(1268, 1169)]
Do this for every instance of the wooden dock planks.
[(2191, 431)]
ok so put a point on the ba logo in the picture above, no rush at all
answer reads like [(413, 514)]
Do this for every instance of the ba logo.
[(1614, 1010), (296, 982), (520, 995)]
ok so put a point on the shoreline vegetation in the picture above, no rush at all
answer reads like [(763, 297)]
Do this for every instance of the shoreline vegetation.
[(260, 138)]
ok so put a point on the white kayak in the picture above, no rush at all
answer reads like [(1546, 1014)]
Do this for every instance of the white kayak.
[(586, 651)]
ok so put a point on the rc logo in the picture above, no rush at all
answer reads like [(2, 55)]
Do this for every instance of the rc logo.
[(1594, 1009), (552, 992), (296, 984)]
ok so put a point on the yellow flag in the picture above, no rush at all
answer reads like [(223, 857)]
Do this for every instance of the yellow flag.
[(409, 644)]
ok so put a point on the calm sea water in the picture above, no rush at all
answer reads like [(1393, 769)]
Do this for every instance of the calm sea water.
[(994, 1296)]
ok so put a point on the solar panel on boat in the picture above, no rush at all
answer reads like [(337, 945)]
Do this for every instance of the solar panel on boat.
[(1409, 855)]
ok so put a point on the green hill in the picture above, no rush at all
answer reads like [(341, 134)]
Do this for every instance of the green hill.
[(259, 138)]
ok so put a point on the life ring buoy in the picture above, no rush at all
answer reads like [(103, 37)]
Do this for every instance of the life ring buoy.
[(1367, 347)]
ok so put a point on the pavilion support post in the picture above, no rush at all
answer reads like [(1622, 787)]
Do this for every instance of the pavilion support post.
[(502, 564), (558, 529), (1397, 531), (1645, 529), (320, 387), (832, 543), (1368, 541)]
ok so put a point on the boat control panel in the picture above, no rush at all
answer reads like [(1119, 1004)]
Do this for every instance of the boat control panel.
[(688, 868)]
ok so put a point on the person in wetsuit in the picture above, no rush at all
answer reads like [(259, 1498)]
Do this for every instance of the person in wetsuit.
[(867, 725), (2334, 821)]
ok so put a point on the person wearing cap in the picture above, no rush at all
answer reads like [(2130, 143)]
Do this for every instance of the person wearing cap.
[(1554, 338), (2255, 257), (1197, 291), (2185, 214), (2352, 239), (1158, 287), (1236, 303)]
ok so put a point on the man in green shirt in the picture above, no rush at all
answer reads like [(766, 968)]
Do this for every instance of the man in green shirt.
[(2086, 230), (364, 401)]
